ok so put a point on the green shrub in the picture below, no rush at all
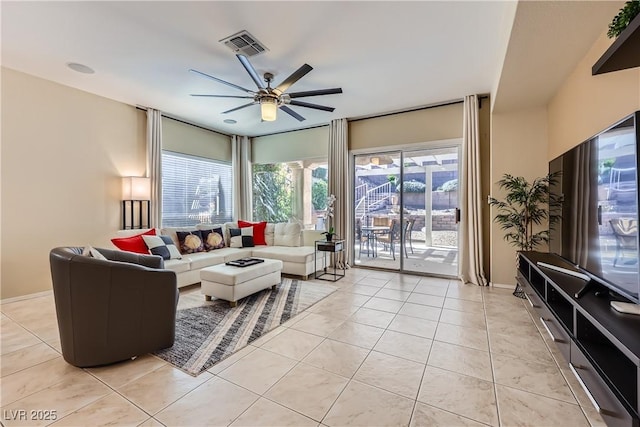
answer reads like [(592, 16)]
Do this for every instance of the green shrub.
[(412, 186), (451, 185), (319, 191), (272, 193)]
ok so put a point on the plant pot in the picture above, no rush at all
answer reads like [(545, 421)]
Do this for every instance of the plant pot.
[(329, 237)]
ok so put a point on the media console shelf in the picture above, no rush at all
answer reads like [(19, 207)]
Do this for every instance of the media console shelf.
[(600, 345)]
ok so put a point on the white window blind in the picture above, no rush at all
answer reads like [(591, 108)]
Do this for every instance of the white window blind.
[(195, 190)]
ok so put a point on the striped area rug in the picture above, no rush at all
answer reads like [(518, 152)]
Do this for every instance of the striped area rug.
[(211, 331)]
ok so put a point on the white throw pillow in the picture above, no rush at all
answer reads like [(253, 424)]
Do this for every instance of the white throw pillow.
[(163, 246), (287, 234), (241, 237), (92, 252)]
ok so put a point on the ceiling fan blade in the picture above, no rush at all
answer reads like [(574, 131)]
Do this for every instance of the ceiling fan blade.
[(314, 106), (252, 71), (239, 108), (222, 96), (315, 92), (292, 113), (297, 75), (221, 81)]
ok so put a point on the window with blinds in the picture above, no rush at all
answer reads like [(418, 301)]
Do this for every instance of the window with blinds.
[(195, 190)]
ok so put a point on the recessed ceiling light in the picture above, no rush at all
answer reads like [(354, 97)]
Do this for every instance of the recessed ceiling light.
[(230, 121), (81, 68)]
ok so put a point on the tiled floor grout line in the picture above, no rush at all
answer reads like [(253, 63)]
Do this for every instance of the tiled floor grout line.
[(493, 373)]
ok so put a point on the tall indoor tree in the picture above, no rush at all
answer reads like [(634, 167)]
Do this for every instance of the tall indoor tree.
[(527, 212)]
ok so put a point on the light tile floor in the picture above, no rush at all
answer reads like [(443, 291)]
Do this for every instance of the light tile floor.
[(385, 349)]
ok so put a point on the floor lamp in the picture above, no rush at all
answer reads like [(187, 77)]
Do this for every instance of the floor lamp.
[(136, 202)]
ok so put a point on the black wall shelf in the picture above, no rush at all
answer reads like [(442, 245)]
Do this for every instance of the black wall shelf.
[(600, 345), (624, 53)]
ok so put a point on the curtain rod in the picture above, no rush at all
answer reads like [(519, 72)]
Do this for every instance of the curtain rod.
[(426, 107), (187, 123)]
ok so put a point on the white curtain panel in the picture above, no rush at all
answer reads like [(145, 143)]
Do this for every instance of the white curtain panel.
[(471, 256), (339, 186), (242, 188), (154, 164)]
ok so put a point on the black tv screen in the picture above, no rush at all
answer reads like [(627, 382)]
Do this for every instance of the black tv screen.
[(598, 186)]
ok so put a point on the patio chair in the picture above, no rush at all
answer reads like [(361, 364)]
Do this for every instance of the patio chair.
[(408, 228), (392, 237), (626, 232), (381, 221), (362, 237)]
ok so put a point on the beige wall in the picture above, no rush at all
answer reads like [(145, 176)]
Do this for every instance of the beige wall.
[(587, 104), (291, 146), (430, 124), (518, 147), (185, 138), (63, 153)]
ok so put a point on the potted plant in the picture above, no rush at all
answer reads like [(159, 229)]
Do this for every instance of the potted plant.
[(328, 215), (329, 234), (525, 208), (624, 17)]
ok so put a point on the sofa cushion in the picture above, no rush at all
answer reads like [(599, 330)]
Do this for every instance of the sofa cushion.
[(241, 237), (134, 243), (232, 254), (213, 238), (287, 234), (258, 230), (190, 241), (163, 246), (269, 233), (178, 265), (300, 254), (206, 259)]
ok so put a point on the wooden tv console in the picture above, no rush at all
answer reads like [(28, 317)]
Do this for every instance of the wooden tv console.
[(600, 345)]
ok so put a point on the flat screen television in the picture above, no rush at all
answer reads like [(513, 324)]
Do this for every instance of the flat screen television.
[(598, 226)]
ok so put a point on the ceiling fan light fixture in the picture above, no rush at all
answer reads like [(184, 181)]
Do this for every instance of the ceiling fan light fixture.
[(268, 108)]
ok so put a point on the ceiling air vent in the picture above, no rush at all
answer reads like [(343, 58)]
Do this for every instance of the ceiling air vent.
[(244, 43)]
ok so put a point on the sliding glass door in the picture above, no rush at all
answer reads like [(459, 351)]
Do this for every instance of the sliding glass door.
[(431, 209), (406, 210)]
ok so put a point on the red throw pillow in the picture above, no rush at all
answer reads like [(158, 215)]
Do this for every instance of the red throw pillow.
[(134, 243), (258, 230)]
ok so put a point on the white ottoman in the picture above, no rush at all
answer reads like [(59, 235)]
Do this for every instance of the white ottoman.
[(233, 283)]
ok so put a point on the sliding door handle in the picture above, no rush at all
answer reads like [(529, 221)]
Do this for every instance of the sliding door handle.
[(457, 215)]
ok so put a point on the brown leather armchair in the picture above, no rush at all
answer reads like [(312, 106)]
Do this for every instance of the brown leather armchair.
[(112, 310)]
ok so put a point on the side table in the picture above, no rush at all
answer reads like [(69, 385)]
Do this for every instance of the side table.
[(333, 247)]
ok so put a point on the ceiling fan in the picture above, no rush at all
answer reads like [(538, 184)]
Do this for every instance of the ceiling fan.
[(270, 99)]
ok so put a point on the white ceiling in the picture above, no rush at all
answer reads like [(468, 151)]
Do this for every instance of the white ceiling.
[(386, 56)]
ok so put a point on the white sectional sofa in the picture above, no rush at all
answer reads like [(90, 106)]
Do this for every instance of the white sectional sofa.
[(295, 249)]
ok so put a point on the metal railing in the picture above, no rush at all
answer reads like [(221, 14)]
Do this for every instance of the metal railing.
[(370, 199)]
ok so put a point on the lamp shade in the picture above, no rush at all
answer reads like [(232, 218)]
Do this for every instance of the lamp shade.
[(269, 109), (136, 188)]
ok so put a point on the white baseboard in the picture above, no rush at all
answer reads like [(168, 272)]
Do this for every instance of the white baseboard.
[(26, 297)]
